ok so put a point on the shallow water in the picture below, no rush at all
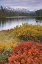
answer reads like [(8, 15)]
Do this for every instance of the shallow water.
[(11, 23)]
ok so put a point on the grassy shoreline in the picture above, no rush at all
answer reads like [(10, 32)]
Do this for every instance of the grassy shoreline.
[(24, 32), (4, 17)]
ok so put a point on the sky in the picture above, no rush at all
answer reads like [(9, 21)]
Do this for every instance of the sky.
[(29, 4)]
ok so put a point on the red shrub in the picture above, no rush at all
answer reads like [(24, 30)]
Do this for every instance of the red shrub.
[(27, 53)]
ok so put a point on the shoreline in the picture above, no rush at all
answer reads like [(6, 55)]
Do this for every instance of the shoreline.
[(15, 27), (20, 17)]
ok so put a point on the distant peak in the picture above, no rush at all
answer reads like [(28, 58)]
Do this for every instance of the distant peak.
[(17, 7)]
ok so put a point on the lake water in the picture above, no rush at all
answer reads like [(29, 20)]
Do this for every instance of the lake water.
[(11, 23)]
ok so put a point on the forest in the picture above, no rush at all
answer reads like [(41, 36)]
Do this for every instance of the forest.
[(9, 13)]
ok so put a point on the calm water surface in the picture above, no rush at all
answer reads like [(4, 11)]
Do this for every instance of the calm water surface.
[(11, 23)]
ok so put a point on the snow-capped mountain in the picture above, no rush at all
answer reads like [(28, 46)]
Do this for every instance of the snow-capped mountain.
[(18, 9)]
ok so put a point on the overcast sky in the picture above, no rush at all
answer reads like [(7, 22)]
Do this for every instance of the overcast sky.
[(30, 4)]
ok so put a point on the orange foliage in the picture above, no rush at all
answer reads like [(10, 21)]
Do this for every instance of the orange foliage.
[(26, 53)]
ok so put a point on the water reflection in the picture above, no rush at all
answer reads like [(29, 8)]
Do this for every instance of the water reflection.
[(11, 23), (38, 20)]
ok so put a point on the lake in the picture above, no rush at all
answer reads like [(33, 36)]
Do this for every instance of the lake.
[(13, 22)]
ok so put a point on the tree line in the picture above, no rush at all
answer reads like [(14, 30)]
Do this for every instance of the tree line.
[(8, 13)]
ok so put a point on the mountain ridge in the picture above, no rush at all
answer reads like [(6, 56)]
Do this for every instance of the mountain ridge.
[(18, 9)]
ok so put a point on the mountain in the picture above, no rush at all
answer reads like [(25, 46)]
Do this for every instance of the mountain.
[(17, 9)]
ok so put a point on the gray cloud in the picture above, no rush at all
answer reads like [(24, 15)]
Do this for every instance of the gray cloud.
[(31, 4)]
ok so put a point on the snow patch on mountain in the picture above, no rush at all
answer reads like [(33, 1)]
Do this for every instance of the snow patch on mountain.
[(18, 9)]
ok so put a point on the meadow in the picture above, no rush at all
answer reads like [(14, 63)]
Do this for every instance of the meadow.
[(21, 45)]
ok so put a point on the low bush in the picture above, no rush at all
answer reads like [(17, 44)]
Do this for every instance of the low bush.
[(29, 32), (7, 45), (5, 50), (26, 53), (4, 55)]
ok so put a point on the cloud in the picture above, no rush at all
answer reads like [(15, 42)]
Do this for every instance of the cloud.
[(31, 4)]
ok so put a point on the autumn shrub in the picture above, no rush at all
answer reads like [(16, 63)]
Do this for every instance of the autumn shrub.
[(29, 32), (4, 55), (29, 52), (7, 45)]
